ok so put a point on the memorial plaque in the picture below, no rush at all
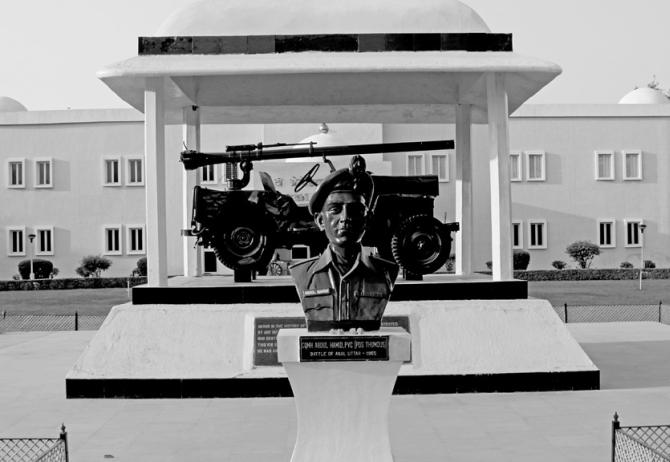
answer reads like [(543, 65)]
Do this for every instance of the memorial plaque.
[(265, 338), (344, 348), (265, 335)]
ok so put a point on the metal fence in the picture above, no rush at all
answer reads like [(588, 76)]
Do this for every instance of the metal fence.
[(613, 313), (649, 443), (35, 449), (10, 322)]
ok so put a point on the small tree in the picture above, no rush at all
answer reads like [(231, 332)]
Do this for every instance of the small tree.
[(583, 252), (521, 259), (626, 265), (92, 266), (142, 266), (559, 264), (41, 268)]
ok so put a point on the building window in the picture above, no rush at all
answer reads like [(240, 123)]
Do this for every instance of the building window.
[(135, 175), (604, 165), (414, 164), (633, 234), (439, 165), (110, 173), (230, 172), (112, 240), (44, 243), (535, 166), (537, 231), (632, 167), (606, 233), (517, 235), (208, 174), (515, 166), (16, 173), (43, 173), (135, 240), (16, 244)]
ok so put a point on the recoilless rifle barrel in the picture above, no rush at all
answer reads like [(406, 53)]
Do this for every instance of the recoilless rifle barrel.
[(248, 153)]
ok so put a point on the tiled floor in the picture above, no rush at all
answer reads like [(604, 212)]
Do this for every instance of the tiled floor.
[(556, 426)]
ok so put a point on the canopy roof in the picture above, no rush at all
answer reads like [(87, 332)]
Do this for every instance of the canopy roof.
[(383, 80)]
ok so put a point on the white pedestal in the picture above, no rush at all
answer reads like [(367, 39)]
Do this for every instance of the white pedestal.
[(342, 405)]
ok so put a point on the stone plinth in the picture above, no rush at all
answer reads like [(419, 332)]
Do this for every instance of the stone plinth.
[(343, 405)]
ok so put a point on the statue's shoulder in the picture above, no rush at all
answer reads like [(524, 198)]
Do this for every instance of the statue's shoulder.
[(303, 264), (388, 266), (382, 262), (300, 270)]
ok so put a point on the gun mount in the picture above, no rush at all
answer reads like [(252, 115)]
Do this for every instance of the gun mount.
[(245, 227)]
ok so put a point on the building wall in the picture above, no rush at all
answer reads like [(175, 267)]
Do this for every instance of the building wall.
[(572, 200), (569, 199)]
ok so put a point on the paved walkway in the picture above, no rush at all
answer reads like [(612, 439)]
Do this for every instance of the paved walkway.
[(519, 427)]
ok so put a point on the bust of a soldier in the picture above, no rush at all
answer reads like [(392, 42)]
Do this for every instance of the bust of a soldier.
[(345, 287)]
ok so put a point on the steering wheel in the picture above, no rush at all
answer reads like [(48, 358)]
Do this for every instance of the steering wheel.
[(307, 178)]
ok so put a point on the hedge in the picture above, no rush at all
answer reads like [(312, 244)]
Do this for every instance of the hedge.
[(72, 283), (591, 274)]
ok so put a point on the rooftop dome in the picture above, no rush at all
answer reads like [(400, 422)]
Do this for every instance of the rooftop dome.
[(296, 17), (325, 137), (8, 104), (645, 95)]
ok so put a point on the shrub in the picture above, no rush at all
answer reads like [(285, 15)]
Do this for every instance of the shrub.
[(141, 267), (41, 268), (649, 264), (626, 265), (92, 266), (521, 259), (71, 283), (583, 252), (590, 274), (559, 264)]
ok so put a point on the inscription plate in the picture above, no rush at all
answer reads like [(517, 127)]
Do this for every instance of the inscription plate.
[(345, 348), (265, 335)]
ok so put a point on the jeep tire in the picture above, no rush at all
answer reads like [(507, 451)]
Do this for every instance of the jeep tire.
[(421, 244), (245, 241)]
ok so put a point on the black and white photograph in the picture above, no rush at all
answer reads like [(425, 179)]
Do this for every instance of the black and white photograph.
[(343, 231)]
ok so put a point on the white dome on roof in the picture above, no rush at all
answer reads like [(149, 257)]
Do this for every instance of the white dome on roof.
[(297, 17), (645, 95), (325, 137), (8, 104)]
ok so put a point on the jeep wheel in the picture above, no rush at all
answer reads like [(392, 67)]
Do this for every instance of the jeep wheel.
[(245, 241), (421, 245)]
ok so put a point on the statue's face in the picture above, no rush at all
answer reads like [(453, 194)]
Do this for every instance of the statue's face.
[(343, 218)]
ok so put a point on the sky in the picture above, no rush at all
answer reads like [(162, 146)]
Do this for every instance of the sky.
[(51, 50)]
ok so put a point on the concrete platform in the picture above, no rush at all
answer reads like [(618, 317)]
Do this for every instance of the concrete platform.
[(280, 289), (202, 351), (569, 426)]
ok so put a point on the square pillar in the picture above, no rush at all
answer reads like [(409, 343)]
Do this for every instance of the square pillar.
[(154, 155), (501, 193), (463, 243), (192, 254)]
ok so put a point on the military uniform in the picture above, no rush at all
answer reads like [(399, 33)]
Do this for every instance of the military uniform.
[(360, 294)]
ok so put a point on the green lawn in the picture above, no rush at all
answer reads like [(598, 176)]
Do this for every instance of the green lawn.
[(602, 292), (100, 301), (85, 301)]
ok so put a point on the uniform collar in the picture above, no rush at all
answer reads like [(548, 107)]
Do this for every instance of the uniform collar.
[(326, 259)]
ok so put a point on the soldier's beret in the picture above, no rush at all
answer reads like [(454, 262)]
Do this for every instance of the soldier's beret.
[(341, 180)]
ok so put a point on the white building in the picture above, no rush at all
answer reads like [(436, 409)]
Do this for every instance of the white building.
[(75, 179)]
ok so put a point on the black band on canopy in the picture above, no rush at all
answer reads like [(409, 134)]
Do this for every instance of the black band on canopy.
[(258, 44)]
